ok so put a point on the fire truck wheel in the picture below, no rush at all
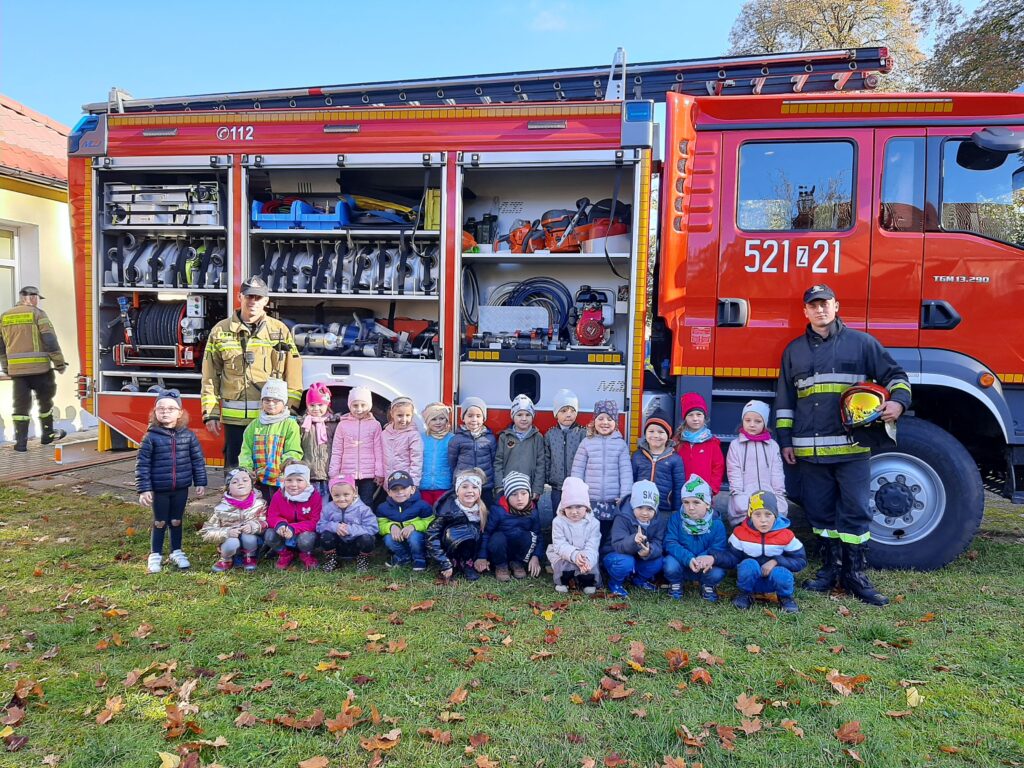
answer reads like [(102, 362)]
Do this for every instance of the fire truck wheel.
[(926, 498)]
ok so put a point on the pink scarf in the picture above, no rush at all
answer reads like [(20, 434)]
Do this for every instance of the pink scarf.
[(761, 437), (320, 422), (241, 503)]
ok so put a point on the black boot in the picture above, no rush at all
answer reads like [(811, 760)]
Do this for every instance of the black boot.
[(21, 436), (831, 567), (853, 578), (47, 434)]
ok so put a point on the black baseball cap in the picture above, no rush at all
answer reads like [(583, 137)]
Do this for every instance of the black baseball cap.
[(255, 286), (399, 479), (30, 290), (816, 292)]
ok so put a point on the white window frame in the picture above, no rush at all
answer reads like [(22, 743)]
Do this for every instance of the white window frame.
[(13, 264)]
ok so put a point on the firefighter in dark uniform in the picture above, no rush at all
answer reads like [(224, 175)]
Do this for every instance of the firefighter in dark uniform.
[(29, 354), (834, 469)]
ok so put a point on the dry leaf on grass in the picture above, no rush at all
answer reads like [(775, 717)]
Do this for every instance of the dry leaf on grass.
[(849, 733), (426, 605), (458, 696), (315, 762), (436, 735), (846, 684), (749, 705), (384, 742)]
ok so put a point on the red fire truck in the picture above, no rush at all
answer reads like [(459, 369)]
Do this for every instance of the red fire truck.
[(497, 234)]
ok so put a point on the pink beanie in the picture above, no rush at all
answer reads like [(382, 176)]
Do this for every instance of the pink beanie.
[(318, 394), (360, 395), (343, 480), (574, 491)]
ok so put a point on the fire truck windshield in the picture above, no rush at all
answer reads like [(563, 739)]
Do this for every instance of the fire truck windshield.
[(983, 192)]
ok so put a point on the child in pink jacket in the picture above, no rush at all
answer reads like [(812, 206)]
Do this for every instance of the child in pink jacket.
[(358, 449), (403, 446), (292, 518), (754, 463)]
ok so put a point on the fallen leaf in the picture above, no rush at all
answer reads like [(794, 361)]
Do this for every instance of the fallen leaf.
[(749, 705), (114, 705), (290, 625), (385, 741), (51, 760), (640, 714), (914, 698), (262, 686), (436, 735), (13, 716), (750, 727), (539, 655), (845, 684), (450, 717), (678, 626), (849, 733), (826, 629), (310, 723), (700, 675), (792, 727), (55, 650), (710, 659), (426, 605), (167, 760), (672, 762), (224, 590), (458, 696), (853, 755), (677, 659), (930, 616), (753, 648), (478, 740), (614, 760), (551, 635), (485, 762), (637, 652), (246, 720), (904, 713), (613, 639), (950, 750), (315, 762)]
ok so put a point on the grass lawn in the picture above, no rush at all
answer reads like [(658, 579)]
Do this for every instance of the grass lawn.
[(130, 665)]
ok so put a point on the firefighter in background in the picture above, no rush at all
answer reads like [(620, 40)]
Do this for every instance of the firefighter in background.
[(242, 352), (28, 348), (834, 469)]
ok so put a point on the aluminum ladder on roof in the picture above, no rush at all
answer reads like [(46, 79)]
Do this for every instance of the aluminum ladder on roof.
[(804, 71)]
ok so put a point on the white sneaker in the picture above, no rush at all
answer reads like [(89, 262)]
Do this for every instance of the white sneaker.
[(178, 558), (561, 588), (153, 564), (589, 590)]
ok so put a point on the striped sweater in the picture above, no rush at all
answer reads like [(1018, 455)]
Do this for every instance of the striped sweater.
[(778, 544)]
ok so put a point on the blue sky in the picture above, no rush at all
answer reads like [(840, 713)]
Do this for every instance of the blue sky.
[(56, 55)]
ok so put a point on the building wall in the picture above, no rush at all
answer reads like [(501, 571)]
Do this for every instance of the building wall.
[(44, 257)]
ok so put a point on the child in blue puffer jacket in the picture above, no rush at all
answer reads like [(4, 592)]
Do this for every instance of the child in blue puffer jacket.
[(474, 445), (655, 459), (170, 460), (437, 472)]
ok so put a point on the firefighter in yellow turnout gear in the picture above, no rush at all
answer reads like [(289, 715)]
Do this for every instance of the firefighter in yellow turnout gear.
[(242, 352), (29, 354)]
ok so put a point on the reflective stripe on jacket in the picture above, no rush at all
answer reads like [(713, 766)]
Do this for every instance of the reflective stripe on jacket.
[(815, 372), (231, 385), (28, 343)]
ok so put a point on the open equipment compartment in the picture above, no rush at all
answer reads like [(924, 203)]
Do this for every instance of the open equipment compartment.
[(352, 256), (543, 301), (164, 272)]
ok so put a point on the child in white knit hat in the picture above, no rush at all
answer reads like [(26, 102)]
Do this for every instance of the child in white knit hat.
[(271, 440), (563, 439), (575, 540), (754, 463), (358, 448), (521, 447), (474, 445)]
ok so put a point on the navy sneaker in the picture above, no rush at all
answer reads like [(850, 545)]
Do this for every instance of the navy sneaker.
[(708, 593), (675, 591), (616, 588), (644, 584), (469, 572), (744, 601), (788, 604)]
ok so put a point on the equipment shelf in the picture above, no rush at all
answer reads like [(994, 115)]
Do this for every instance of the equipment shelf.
[(353, 296), (169, 228), (355, 232), (507, 257), (149, 289)]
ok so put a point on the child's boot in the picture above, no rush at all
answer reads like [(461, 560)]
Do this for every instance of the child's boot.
[(469, 572), (644, 584), (744, 601), (330, 563), (518, 572), (501, 573), (616, 588), (153, 565), (363, 562), (222, 566), (788, 604), (249, 562), (284, 558), (308, 560), (709, 593), (675, 591), (417, 565)]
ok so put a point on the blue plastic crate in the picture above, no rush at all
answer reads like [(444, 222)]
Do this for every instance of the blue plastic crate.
[(314, 219), (289, 220)]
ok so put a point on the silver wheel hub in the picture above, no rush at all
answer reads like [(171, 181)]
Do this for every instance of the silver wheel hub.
[(907, 499)]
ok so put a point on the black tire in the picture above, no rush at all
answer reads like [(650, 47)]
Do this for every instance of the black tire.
[(931, 489)]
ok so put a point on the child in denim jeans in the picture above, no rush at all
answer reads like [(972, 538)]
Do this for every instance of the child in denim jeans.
[(693, 543), (403, 519)]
